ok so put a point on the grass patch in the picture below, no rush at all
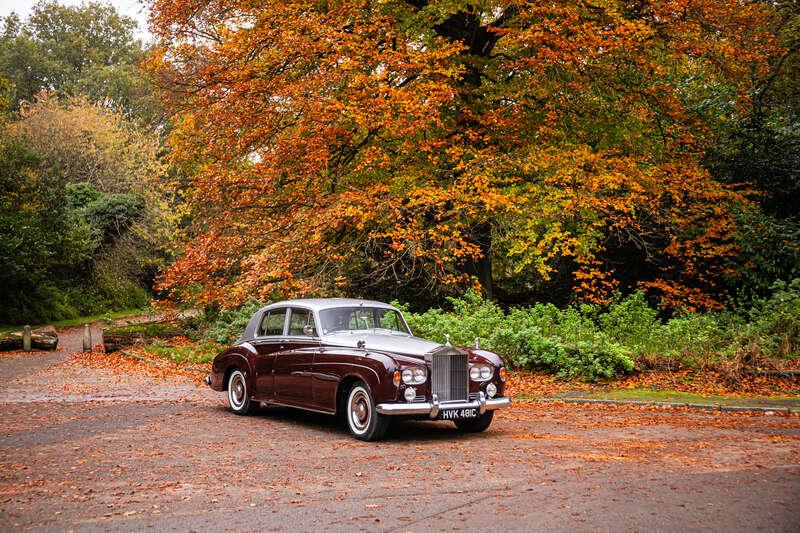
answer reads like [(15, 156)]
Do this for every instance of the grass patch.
[(78, 321), (673, 396)]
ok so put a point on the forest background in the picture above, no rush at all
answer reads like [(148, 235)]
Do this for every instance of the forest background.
[(586, 177)]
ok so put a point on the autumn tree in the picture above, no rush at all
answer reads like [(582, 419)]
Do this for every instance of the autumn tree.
[(417, 147)]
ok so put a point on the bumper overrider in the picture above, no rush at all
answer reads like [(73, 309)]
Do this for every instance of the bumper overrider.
[(432, 408)]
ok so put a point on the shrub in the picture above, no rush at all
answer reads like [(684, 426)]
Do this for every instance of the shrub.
[(775, 321), (472, 317), (594, 360), (565, 342), (593, 342), (228, 325), (590, 359), (631, 321)]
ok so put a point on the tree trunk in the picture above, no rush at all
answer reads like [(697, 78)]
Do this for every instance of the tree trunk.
[(481, 268), (479, 39)]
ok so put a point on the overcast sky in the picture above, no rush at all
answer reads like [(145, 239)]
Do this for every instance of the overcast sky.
[(131, 8)]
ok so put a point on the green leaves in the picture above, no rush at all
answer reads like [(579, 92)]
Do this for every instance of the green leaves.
[(83, 216), (594, 342), (86, 50)]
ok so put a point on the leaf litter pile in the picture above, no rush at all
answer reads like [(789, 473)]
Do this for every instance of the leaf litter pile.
[(533, 385), (163, 369)]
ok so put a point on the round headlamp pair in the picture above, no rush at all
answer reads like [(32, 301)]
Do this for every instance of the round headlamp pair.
[(414, 375), (481, 372)]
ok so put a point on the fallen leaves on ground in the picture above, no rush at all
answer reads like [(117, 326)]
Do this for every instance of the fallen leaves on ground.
[(117, 362), (22, 353), (530, 384), (519, 384)]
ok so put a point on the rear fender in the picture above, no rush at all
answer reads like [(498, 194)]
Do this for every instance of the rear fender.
[(235, 357)]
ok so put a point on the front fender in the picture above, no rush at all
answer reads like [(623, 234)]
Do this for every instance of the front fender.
[(376, 370)]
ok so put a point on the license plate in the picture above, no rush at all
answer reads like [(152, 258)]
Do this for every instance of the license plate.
[(458, 414)]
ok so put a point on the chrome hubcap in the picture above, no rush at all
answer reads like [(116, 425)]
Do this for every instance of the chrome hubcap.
[(359, 411), (236, 391)]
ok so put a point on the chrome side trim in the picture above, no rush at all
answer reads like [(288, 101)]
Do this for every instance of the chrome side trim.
[(293, 406), (432, 408)]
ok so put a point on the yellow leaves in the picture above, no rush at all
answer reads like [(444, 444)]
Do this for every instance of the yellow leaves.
[(337, 145)]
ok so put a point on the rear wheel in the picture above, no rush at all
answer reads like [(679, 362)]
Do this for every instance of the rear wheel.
[(364, 422), (238, 395), (475, 425)]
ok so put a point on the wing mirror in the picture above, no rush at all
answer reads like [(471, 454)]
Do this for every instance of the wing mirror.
[(308, 330)]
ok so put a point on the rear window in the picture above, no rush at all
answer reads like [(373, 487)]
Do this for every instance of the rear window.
[(272, 322)]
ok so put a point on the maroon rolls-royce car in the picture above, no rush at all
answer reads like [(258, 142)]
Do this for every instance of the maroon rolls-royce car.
[(357, 358)]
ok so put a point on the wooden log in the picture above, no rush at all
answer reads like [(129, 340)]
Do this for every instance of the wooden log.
[(784, 374), (40, 340), (114, 342)]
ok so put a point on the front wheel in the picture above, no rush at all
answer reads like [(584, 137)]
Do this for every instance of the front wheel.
[(364, 422), (475, 425), (238, 395)]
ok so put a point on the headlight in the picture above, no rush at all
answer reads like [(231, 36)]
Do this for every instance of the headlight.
[(475, 373), (491, 390), (481, 372), (409, 394), (414, 375)]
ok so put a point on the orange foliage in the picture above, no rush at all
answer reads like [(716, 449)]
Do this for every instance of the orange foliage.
[(338, 146)]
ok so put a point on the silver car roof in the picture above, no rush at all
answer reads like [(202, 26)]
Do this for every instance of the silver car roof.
[(314, 304), (317, 304)]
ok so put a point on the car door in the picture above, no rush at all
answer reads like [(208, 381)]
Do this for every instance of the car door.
[(268, 342), (293, 364)]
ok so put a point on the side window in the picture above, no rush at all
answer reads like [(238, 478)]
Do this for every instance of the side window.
[(299, 319), (272, 323)]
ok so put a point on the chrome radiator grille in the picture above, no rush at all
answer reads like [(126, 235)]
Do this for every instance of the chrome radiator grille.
[(449, 376)]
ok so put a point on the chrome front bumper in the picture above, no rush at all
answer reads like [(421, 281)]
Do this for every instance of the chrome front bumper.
[(432, 408)]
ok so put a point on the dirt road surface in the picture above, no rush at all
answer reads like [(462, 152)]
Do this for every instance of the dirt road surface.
[(89, 449)]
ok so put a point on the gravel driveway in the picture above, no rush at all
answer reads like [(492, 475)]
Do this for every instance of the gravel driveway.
[(91, 449)]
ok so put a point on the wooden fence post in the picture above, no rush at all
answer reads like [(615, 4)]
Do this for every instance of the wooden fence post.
[(26, 339), (87, 338)]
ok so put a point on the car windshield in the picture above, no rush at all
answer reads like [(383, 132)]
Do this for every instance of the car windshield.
[(338, 319)]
